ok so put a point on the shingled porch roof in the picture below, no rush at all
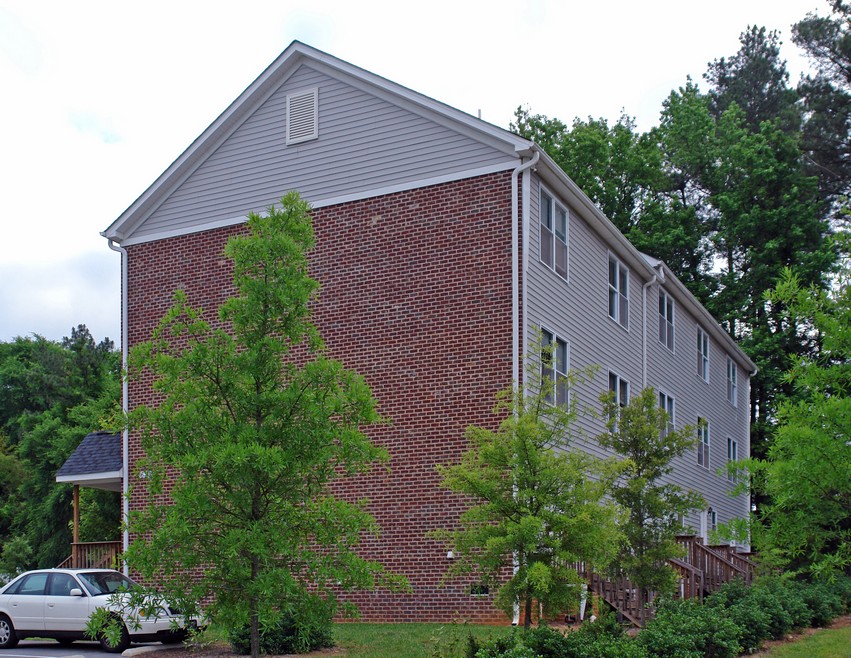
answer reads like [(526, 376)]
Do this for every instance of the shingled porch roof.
[(96, 463)]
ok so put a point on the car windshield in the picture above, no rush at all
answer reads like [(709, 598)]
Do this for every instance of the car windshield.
[(105, 582)]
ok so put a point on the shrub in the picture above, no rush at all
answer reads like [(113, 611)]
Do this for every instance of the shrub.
[(687, 629), (788, 594), (307, 630), (824, 604), (754, 624), (841, 586), (779, 620), (729, 594), (506, 646)]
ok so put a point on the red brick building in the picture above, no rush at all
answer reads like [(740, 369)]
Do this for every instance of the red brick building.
[(443, 244)]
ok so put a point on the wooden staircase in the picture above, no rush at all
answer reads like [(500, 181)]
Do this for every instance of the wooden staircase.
[(702, 570)]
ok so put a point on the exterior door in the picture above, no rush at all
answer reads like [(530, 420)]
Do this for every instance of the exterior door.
[(63, 612)]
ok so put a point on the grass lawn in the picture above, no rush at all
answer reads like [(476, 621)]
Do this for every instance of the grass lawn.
[(824, 643), (409, 640)]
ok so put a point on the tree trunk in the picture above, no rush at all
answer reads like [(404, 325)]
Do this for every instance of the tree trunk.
[(527, 622), (254, 617)]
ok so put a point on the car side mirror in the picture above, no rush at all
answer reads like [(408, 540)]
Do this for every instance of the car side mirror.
[(76, 591)]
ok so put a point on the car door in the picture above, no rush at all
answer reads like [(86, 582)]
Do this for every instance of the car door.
[(63, 612), (26, 605)]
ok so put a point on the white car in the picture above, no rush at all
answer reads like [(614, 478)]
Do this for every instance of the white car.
[(57, 603)]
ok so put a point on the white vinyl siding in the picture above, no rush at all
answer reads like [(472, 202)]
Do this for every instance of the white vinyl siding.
[(702, 355), (554, 366), (554, 227), (618, 292), (666, 320)]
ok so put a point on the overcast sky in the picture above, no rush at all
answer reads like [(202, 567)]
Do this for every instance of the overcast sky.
[(98, 98)]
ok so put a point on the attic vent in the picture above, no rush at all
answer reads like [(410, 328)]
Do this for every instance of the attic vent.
[(302, 116)]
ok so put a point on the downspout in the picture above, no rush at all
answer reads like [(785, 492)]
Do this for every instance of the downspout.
[(644, 330), (660, 278), (515, 256), (515, 287), (125, 434)]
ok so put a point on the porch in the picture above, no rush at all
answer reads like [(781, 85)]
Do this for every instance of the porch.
[(96, 463)]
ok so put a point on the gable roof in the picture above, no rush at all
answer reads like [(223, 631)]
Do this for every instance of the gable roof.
[(275, 75), (97, 462)]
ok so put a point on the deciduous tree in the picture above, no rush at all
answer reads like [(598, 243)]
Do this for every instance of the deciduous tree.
[(253, 423), (537, 503)]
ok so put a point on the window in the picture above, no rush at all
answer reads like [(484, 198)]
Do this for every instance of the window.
[(732, 383), (553, 235), (302, 116), (666, 320), (702, 354), (732, 456), (554, 360), (618, 292), (620, 387), (712, 519), (702, 442), (666, 404), (33, 585), (61, 584)]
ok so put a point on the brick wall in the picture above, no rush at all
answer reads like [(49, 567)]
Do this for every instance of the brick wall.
[(416, 297)]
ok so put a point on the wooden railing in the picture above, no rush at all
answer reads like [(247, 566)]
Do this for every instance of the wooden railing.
[(716, 568), (691, 580), (93, 555)]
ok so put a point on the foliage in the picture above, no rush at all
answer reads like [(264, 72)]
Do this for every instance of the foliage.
[(807, 472), (688, 629), (537, 504), (641, 435), (289, 634), (54, 394), (253, 422), (824, 604)]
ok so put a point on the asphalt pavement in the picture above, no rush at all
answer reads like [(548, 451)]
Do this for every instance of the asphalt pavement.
[(52, 649)]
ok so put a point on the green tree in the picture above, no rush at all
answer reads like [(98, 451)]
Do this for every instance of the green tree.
[(641, 435), (54, 394), (253, 424), (807, 473), (826, 98), (537, 502)]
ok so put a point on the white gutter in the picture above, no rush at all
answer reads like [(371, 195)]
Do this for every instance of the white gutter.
[(125, 434), (515, 254)]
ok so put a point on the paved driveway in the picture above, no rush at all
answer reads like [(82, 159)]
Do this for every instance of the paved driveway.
[(51, 649)]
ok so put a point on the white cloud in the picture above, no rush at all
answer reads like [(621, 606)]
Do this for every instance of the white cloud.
[(101, 96)]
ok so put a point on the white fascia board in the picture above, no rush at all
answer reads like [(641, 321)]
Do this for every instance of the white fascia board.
[(264, 86), (95, 480), (331, 201)]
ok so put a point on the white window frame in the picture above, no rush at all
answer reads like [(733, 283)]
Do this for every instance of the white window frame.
[(703, 442), (703, 355), (620, 387), (618, 298), (732, 456), (732, 382), (553, 245), (666, 403), (666, 319), (556, 370)]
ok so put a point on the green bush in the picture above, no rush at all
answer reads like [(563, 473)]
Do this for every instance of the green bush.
[(754, 624), (789, 596), (824, 604), (841, 587), (729, 594), (688, 629), (780, 621), (506, 646), (307, 630)]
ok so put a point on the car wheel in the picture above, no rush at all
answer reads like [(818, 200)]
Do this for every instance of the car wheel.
[(8, 637), (174, 638), (118, 647)]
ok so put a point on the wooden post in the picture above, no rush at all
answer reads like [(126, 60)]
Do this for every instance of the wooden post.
[(75, 538)]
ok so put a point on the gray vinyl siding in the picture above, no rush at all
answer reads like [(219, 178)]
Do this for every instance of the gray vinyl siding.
[(365, 143), (578, 312)]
